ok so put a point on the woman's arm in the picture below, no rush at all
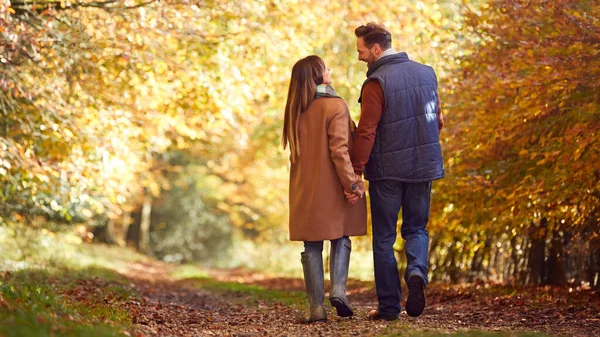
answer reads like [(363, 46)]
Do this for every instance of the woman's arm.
[(338, 133)]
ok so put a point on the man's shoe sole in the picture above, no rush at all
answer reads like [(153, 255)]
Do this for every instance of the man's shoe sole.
[(342, 308), (415, 304)]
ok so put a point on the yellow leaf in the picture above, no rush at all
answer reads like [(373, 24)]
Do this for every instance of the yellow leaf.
[(69, 133)]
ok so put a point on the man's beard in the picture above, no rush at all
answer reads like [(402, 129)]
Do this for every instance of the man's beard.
[(371, 61)]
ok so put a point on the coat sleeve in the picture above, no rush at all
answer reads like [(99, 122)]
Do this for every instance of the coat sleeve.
[(338, 133)]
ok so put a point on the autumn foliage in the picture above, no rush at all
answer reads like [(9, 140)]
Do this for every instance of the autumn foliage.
[(523, 194), (167, 115)]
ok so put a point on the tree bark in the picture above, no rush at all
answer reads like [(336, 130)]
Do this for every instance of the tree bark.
[(125, 222), (537, 249), (512, 267), (476, 263), (452, 268), (556, 260), (106, 233), (592, 270), (144, 243), (522, 277)]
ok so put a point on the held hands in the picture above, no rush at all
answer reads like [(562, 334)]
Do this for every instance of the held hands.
[(352, 198)]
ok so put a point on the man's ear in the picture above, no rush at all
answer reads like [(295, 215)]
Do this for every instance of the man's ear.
[(377, 48)]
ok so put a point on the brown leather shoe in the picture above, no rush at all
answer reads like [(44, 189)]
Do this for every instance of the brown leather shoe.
[(376, 315)]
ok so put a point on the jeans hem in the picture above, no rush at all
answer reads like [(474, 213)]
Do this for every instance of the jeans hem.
[(418, 273)]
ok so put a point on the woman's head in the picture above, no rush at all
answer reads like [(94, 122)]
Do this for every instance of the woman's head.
[(307, 74)]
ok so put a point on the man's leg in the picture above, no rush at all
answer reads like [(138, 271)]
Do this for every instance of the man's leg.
[(386, 198), (415, 216)]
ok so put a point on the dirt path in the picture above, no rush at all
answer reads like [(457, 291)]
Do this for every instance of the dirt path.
[(180, 308)]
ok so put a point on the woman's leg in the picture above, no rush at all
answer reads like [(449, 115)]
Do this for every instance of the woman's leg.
[(339, 263), (312, 265)]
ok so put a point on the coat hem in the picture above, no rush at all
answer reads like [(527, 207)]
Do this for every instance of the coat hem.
[(330, 238)]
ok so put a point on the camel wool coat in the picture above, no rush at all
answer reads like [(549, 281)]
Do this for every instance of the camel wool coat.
[(318, 177)]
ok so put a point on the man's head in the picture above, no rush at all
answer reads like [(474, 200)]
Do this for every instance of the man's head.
[(373, 40)]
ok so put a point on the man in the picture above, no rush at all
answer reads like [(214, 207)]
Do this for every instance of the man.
[(397, 144)]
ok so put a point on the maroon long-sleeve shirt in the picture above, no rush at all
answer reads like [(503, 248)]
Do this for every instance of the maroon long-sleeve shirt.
[(370, 113)]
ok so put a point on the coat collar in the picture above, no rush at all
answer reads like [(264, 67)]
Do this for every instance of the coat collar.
[(388, 59)]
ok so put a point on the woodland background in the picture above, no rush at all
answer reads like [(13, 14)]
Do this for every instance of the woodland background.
[(157, 124)]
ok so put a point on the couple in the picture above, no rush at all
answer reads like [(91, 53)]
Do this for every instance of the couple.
[(397, 145)]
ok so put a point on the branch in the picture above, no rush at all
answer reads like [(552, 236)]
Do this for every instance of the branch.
[(38, 6)]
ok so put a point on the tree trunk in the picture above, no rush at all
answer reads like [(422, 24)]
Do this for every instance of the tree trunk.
[(144, 243), (106, 233), (452, 268), (522, 277), (572, 258), (556, 260), (132, 238), (591, 251), (480, 257), (497, 264), (125, 222), (110, 231), (592, 274), (537, 249), (476, 264)]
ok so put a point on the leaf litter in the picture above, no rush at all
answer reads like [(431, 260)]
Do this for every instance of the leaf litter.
[(170, 307)]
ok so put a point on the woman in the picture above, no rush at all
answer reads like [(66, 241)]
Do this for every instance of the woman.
[(318, 130)]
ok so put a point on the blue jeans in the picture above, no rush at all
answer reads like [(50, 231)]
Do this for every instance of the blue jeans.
[(387, 198)]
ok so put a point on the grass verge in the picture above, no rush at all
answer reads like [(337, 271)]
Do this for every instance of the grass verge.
[(249, 293), (53, 285)]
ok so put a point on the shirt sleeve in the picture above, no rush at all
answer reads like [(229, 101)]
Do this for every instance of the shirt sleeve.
[(370, 114)]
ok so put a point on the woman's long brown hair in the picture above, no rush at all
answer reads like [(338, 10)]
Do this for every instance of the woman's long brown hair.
[(306, 75)]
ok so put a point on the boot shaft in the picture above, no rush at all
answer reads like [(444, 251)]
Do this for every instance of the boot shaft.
[(312, 265), (339, 264)]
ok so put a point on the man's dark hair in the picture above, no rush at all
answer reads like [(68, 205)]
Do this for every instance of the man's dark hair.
[(374, 33)]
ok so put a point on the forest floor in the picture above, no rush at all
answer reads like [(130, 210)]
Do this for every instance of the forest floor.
[(243, 303), (144, 297)]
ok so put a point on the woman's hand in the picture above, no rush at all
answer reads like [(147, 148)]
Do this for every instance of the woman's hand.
[(352, 198)]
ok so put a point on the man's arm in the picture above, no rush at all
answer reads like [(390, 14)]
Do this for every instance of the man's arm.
[(371, 111)]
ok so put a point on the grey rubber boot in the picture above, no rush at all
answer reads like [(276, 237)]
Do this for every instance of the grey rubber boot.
[(312, 264), (338, 265)]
